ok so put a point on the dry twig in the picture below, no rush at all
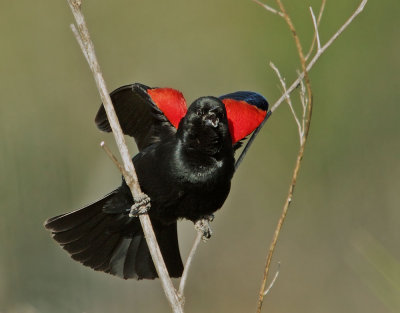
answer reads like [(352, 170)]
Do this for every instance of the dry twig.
[(293, 86), (188, 263), (83, 38), (300, 127), (268, 8), (273, 280), (306, 117), (321, 11)]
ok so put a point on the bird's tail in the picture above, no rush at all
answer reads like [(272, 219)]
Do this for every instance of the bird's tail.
[(113, 242)]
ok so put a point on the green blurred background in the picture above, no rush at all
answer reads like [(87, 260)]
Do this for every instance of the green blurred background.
[(339, 248)]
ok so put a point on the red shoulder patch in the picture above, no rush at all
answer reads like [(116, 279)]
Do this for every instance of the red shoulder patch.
[(243, 118), (171, 102)]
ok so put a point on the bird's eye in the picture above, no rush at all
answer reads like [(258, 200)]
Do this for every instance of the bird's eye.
[(199, 112)]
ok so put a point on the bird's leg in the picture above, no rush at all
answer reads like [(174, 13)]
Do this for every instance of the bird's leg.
[(141, 206), (203, 226)]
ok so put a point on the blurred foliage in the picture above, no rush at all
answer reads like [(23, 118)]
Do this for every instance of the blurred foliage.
[(347, 196)]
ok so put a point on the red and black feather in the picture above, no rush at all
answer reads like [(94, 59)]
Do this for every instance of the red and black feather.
[(147, 114), (246, 110), (152, 114)]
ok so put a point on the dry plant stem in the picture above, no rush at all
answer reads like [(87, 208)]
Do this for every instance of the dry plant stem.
[(78, 38), (303, 101), (316, 32), (304, 68), (188, 263), (267, 7), (273, 280), (113, 158), (129, 170), (293, 86), (279, 226), (321, 11), (306, 128), (303, 139), (289, 101)]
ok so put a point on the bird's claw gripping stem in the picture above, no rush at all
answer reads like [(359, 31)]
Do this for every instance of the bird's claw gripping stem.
[(141, 206), (203, 226)]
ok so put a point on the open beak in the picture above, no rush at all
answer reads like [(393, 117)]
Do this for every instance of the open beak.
[(211, 120)]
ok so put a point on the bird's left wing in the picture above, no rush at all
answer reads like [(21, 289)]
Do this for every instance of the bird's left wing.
[(245, 110), (145, 113)]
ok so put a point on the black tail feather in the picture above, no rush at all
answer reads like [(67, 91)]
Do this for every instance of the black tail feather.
[(75, 218), (146, 266), (130, 269), (71, 235), (114, 243), (103, 253), (167, 238)]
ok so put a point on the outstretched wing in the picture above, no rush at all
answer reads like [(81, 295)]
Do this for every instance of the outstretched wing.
[(147, 114), (245, 111)]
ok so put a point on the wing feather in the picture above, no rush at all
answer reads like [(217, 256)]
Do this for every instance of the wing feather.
[(245, 111), (147, 114)]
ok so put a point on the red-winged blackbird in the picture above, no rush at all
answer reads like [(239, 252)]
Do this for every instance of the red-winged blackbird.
[(185, 165)]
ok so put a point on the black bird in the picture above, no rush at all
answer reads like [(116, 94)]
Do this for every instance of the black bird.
[(185, 165)]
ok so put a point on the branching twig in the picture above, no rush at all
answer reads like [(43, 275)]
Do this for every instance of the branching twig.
[(279, 226), (321, 11), (307, 111), (87, 47), (303, 100), (316, 32), (303, 138), (113, 158), (293, 86), (289, 101), (273, 280), (303, 66)]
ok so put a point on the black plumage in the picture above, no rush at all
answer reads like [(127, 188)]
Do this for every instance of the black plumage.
[(186, 172)]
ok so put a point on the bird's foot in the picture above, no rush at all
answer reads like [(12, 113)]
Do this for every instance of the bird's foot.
[(141, 206), (203, 226), (210, 217)]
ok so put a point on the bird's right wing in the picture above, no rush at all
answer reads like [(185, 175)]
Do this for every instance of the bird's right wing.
[(145, 113)]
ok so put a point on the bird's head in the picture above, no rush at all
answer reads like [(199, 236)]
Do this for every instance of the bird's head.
[(205, 126)]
